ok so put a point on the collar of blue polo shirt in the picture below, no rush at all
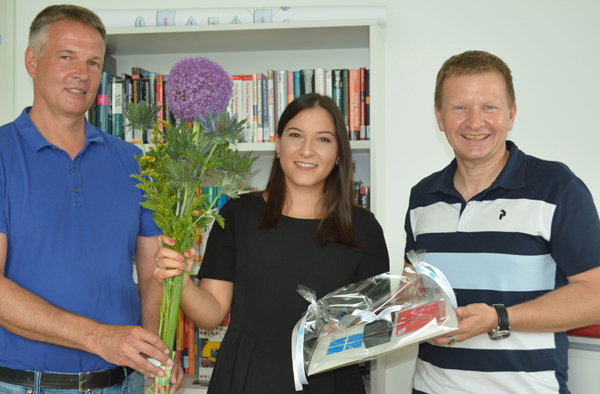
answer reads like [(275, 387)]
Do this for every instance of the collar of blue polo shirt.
[(371, 318)]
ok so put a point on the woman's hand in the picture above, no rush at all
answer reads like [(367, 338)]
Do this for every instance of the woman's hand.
[(167, 258)]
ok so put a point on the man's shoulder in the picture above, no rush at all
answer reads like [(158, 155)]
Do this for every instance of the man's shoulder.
[(539, 171), (121, 146)]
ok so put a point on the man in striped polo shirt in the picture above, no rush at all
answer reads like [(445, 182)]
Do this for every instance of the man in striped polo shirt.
[(517, 237)]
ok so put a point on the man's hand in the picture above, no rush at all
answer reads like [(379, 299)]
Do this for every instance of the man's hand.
[(124, 345), (474, 319)]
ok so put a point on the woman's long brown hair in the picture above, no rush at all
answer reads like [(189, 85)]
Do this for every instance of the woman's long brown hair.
[(338, 193)]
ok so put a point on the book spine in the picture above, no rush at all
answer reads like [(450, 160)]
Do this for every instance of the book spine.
[(272, 118), (254, 109), (345, 95), (290, 86), (117, 107), (336, 88), (247, 103), (328, 87), (363, 103), (307, 81), (296, 84), (265, 108), (281, 90), (238, 108), (160, 100), (259, 108), (127, 85), (102, 102), (354, 103), (368, 103), (320, 81)]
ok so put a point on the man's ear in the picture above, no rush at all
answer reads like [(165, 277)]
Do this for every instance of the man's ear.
[(31, 60), (438, 118)]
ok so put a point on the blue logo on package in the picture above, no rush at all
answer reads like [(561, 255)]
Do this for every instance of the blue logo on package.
[(351, 342)]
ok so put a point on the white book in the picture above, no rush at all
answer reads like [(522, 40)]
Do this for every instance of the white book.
[(281, 91), (259, 107), (320, 81), (271, 104), (247, 103), (328, 85)]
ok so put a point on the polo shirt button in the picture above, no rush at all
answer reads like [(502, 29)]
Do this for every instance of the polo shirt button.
[(74, 166), (76, 190)]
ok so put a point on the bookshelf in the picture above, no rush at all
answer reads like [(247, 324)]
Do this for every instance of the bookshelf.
[(251, 48)]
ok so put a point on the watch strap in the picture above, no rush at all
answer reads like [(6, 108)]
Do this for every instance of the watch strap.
[(503, 323)]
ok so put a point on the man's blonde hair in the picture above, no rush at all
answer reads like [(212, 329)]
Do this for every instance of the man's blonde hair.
[(38, 37), (473, 62)]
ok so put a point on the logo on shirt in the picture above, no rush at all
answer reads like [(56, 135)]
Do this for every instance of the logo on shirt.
[(502, 214)]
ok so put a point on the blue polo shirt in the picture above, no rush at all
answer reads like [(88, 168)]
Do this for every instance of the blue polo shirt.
[(520, 238), (71, 227)]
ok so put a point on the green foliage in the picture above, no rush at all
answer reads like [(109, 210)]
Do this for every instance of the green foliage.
[(181, 160)]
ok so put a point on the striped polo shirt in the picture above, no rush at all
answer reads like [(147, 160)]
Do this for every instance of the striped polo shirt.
[(522, 237)]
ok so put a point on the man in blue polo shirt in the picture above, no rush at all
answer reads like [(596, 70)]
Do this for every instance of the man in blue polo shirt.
[(71, 316), (517, 237)]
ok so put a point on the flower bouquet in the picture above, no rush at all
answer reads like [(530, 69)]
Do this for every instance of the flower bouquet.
[(183, 158)]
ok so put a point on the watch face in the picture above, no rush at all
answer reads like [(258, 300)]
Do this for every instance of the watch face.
[(496, 334)]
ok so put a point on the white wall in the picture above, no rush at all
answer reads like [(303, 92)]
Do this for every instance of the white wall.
[(551, 46)]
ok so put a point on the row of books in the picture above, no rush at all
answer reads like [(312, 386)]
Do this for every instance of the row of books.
[(115, 93), (261, 98), (197, 349)]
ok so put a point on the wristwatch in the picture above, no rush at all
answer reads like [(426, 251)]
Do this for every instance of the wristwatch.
[(503, 329)]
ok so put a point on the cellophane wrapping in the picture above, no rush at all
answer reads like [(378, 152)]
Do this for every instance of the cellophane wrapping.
[(373, 317)]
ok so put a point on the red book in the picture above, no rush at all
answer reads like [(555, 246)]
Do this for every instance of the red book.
[(160, 100), (354, 104)]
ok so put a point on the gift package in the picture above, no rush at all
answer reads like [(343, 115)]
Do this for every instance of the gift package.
[(373, 317)]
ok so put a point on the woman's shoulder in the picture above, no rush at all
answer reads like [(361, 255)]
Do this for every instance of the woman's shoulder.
[(245, 203)]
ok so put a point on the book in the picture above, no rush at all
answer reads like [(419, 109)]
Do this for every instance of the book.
[(237, 108), (336, 88), (271, 105), (328, 86), (136, 81), (254, 109), (117, 107), (281, 91), (160, 100), (259, 108), (125, 100), (345, 95), (363, 107), (265, 108), (290, 87), (307, 81), (296, 84), (149, 97), (368, 103), (103, 99), (247, 104), (354, 104), (320, 81)]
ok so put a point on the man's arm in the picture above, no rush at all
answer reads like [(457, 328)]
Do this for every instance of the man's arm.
[(149, 288), (574, 305), (25, 314)]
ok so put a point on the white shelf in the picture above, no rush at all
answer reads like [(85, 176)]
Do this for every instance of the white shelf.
[(292, 36)]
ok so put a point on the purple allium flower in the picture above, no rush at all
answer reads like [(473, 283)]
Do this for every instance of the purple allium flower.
[(197, 85)]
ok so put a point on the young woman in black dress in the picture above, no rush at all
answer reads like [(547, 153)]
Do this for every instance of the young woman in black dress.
[(304, 229)]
